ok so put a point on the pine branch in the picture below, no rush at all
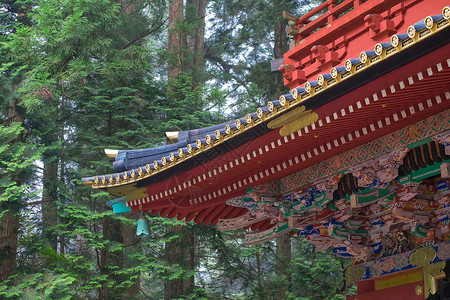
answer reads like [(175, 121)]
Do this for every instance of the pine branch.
[(144, 34)]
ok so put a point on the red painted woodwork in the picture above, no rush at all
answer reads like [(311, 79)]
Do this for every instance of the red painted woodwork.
[(412, 95), (348, 34), (403, 292)]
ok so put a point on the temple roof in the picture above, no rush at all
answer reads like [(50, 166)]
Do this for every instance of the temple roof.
[(389, 86)]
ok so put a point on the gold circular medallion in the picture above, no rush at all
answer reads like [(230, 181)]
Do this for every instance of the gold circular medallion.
[(208, 139), (227, 129), (308, 87), (217, 134), (237, 123), (198, 143), (171, 156), (395, 40), (363, 57), (282, 100), (320, 79), (348, 65), (419, 290), (294, 93), (411, 31), (378, 49), (259, 113), (429, 22), (180, 152), (446, 12), (334, 73)]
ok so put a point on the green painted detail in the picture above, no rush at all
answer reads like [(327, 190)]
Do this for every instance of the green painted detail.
[(121, 207), (419, 143)]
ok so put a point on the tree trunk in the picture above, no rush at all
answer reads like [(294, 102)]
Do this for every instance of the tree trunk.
[(49, 200), (175, 42), (281, 44), (179, 251), (9, 226), (283, 260), (131, 245), (196, 42), (8, 243)]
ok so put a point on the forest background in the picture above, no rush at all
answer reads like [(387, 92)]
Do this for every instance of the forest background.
[(79, 76)]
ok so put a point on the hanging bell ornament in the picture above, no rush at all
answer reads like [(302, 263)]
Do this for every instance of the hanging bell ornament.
[(143, 229)]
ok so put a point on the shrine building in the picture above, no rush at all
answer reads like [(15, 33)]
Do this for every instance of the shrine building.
[(355, 158)]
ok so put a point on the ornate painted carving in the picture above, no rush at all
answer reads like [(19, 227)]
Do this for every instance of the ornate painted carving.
[(266, 235)]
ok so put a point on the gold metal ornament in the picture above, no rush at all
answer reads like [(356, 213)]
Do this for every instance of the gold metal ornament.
[(171, 156), (198, 143), (248, 118), (237, 123), (155, 164), (270, 104), (227, 129), (189, 148), (419, 290), (180, 152), (334, 72), (282, 100), (308, 87), (363, 57), (208, 139), (378, 49), (259, 113), (411, 31), (140, 171), (429, 22), (348, 65), (320, 79), (446, 12), (395, 40), (148, 168), (217, 134), (294, 93)]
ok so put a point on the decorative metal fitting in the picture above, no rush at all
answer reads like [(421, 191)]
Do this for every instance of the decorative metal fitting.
[(163, 161), (446, 12), (237, 123), (217, 134), (320, 79), (259, 113), (394, 40), (270, 105), (227, 129), (248, 118), (171, 156), (308, 87), (189, 148), (348, 65), (208, 139), (198, 143), (155, 164), (411, 31), (148, 169), (334, 73), (180, 152), (282, 100), (362, 57)]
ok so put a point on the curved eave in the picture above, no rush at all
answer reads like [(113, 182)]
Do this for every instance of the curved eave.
[(318, 95)]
